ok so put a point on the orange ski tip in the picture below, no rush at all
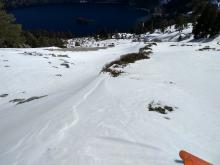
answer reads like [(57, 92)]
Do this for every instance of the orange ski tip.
[(190, 159), (183, 154)]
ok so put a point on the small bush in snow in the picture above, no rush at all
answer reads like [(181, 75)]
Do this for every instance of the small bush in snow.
[(114, 67), (157, 107)]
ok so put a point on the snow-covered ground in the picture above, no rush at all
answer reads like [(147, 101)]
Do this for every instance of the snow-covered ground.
[(169, 35), (71, 114)]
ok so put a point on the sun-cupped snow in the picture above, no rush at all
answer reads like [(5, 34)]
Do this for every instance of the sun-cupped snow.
[(58, 108)]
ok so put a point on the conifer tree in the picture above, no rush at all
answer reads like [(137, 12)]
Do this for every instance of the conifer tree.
[(10, 32), (208, 23), (181, 23)]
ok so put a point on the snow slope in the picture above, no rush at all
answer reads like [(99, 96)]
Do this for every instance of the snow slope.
[(169, 35), (88, 117)]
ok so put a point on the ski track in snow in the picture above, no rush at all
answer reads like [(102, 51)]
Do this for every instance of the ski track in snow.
[(76, 117)]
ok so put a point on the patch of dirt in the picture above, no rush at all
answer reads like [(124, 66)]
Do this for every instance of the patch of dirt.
[(22, 101), (45, 55), (65, 64), (4, 95), (186, 45), (208, 48), (32, 54), (16, 100), (55, 67), (63, 56), (167, 118)]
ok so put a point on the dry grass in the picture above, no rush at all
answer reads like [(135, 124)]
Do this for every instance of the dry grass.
[(113, 68), (122, 62), (207, 48)]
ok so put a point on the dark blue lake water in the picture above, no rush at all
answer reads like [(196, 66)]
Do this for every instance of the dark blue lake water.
[(62, 17)]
